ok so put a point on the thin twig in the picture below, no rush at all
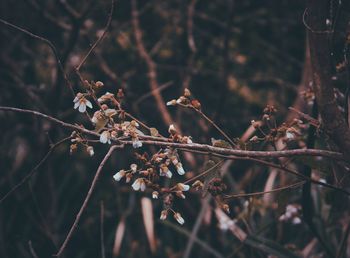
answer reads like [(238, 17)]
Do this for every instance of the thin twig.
[(32, 251), (343, 243), (270, 164), (99, 39), (87, 198), (216, 126), (266, 192), (50, 44), (32, 172), (151, 66)]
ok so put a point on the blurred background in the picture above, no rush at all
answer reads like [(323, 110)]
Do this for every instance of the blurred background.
[(236, 57)]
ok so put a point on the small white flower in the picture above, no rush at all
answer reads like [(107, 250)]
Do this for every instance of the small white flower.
[(182, 187), (179, 219), (180, 195), (139, 184), (136, 143), (282, 217), (181, 100), (322, 180), (289, 135), (180, 170), (133, 123), (105, 97), (296, 220), (81, 103), (171, 103), (172, 129), (292, 209), (164, 215), (155, 195), (226, 223), (174, 160), (105, 137), (90, 150), (164, 171), (119, 175), (187, 139), (133, 168)]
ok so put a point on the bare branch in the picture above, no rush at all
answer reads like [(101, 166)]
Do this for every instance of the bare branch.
[(87, 198), (50, 44), (32, 172), (99, 39)]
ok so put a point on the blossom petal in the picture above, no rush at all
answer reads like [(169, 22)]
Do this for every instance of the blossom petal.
[(82, 107), (88, 103)]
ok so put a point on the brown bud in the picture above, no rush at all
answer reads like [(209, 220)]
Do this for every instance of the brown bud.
[(196, 104), (187, 93)]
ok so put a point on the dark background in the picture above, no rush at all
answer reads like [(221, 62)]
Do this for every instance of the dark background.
[(249, 54)]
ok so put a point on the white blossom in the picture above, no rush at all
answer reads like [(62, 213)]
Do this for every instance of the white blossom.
[(90, 150), (139, 184), (289, 135), (225, 223), (172, 129), (81, 103), (296, 220), (119, 175), (180, 170), (133, 167), (183, 187), (164, 171), (164, 215), (171, 103), (179, 219), (155, 195), (105, 137), (136, 143), (105, 97)]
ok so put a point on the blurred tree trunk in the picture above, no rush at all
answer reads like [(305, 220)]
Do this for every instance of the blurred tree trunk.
[(333, 121)]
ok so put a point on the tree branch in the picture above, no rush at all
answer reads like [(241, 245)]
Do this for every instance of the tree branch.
[(87, 198), (333, 121)]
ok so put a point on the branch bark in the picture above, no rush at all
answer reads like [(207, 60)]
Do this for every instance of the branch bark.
[(319, 37)]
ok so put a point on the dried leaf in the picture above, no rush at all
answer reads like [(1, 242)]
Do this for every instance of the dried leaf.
[(154, 132), (220, 143)]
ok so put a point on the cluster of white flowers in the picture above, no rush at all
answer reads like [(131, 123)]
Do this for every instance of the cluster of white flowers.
[(105, 137), (291, 214)]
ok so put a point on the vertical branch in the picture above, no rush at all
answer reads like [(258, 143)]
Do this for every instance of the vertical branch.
[(152, 69), (87, 198), (102, 215), (333, 121)]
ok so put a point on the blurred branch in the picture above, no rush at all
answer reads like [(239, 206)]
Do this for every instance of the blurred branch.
[(102, 215), (49, 43), (86, 200), (318, 35), (152, 70), (200, 242), (32, 172), (109, 20), (287, 187)]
